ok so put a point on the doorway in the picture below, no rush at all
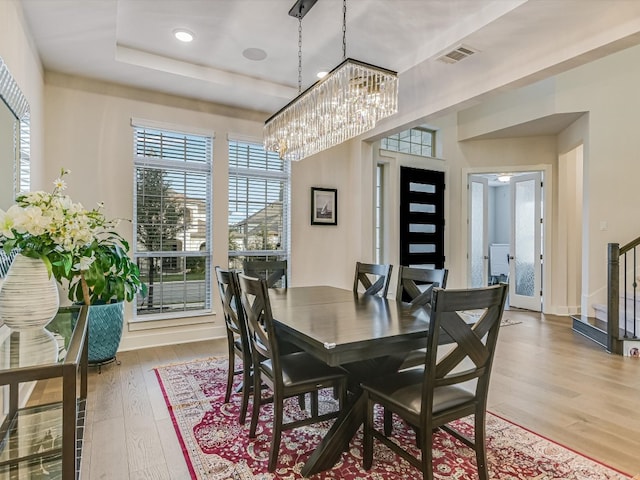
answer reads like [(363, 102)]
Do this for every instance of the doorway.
[(506, 234)]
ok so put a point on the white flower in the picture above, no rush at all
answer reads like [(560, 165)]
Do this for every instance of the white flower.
[(7, 220), (59, 184), (31, 221), (62, 202), (84, 263)]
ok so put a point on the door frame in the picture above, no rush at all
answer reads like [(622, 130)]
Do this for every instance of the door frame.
[(547, 195)]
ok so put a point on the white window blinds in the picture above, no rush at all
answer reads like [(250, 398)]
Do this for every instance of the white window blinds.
[(258, 204), (172, 214)]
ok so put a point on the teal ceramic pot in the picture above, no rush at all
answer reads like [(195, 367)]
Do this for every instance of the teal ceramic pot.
[(105, 331)]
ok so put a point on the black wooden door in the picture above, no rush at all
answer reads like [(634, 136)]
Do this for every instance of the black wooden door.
[(421, 217)]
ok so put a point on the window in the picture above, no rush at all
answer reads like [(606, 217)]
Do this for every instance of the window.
[(379, 223), (416, 141), (172, 212), (258, 204)]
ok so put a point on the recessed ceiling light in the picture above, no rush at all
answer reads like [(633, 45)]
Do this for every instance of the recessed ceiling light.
[(321, 74), (183, 35), (504, 177), (255, 54)]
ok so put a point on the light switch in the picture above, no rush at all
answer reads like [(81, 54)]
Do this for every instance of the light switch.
[(603, 226)]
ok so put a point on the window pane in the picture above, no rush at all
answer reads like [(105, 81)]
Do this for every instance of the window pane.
[(176, 284), (150, 143), (172, 220), (416, 141), (258, 203)]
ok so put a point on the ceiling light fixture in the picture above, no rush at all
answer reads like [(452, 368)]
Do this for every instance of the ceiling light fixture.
[(183, 35), (504, 177), (348, 101)]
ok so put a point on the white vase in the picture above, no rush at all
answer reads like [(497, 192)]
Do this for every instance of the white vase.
[(28, 298)]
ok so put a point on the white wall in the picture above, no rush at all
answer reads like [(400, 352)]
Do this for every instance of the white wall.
[(501, 214)]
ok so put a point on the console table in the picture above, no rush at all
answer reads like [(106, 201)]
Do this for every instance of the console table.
[(43, 441)]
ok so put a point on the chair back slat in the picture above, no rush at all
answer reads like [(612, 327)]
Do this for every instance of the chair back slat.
[(272, 271), (380, 274), (254, 294), (229, 296), (415, 284), (471, 321)]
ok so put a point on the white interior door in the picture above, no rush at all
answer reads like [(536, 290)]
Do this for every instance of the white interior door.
[(525, 270), (478, 231)]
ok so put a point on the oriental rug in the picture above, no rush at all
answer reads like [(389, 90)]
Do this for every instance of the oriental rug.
[(217, 447)]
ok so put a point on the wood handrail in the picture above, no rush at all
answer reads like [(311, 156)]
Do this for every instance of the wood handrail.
[(624, 249)]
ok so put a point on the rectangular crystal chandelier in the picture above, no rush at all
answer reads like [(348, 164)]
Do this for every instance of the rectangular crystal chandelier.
[(348, 101)]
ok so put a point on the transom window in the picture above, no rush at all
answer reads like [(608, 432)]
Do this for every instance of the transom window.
[(172, 212), (259, 183), (415, 141)]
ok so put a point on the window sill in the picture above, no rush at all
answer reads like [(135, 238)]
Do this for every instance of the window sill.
[(178, 319)]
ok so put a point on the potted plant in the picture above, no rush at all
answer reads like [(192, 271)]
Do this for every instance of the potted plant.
[(105, 284), (81, 250)]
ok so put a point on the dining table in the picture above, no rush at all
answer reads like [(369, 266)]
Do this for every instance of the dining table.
[(367, 335)]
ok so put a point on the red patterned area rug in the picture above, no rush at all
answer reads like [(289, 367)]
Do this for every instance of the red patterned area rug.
[(217, 447)]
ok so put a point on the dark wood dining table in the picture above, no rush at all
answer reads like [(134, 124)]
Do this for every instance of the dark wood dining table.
[(367, 335)]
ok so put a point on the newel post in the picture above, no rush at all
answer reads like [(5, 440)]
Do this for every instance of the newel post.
[(613, 298)]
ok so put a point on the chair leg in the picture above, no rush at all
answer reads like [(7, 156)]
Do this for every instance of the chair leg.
[(276, 434), (301, 401), (367, 444), (230, 372), (341, 390), (480, 445), (314, 404), (426, 441), (246, 390), (388, 422), (256, 402)]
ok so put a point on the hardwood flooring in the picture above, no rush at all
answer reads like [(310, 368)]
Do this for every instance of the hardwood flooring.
[(545, 377)]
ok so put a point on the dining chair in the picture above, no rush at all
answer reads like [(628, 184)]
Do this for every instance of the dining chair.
[(286, 375), (273, 271), (237, 337), (416, 284), (432, 397), (375, 278), (415, 287)]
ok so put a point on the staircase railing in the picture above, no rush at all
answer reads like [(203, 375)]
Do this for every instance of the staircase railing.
[(627, 253)]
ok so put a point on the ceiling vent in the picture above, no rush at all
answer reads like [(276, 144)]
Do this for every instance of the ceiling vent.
[(459, 53)]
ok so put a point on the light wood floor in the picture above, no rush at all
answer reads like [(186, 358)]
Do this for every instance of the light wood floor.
[(545, 378)]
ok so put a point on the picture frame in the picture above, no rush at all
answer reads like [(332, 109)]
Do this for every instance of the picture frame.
[(324, 206)]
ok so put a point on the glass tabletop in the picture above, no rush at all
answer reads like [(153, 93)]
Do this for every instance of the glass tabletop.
[(38, 346)]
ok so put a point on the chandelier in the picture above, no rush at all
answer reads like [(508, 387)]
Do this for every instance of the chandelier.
[(348, 101)]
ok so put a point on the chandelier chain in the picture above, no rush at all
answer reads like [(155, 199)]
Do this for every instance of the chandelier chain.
[(299, 54), (344, 29)]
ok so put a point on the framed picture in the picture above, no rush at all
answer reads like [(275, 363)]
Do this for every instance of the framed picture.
[(324, 206)]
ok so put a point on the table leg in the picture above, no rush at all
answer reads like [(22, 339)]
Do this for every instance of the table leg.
[(346, 425), (338, 437)]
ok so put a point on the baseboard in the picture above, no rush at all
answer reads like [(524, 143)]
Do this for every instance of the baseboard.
[(162, 337)]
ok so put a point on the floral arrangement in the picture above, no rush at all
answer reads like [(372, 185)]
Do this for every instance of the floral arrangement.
[(76, 244)]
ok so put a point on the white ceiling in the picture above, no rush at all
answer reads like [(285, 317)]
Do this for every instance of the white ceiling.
[(130, 42)]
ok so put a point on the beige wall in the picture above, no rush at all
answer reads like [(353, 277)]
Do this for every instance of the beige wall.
[(606, 90), (88, 130), (18, 52)]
